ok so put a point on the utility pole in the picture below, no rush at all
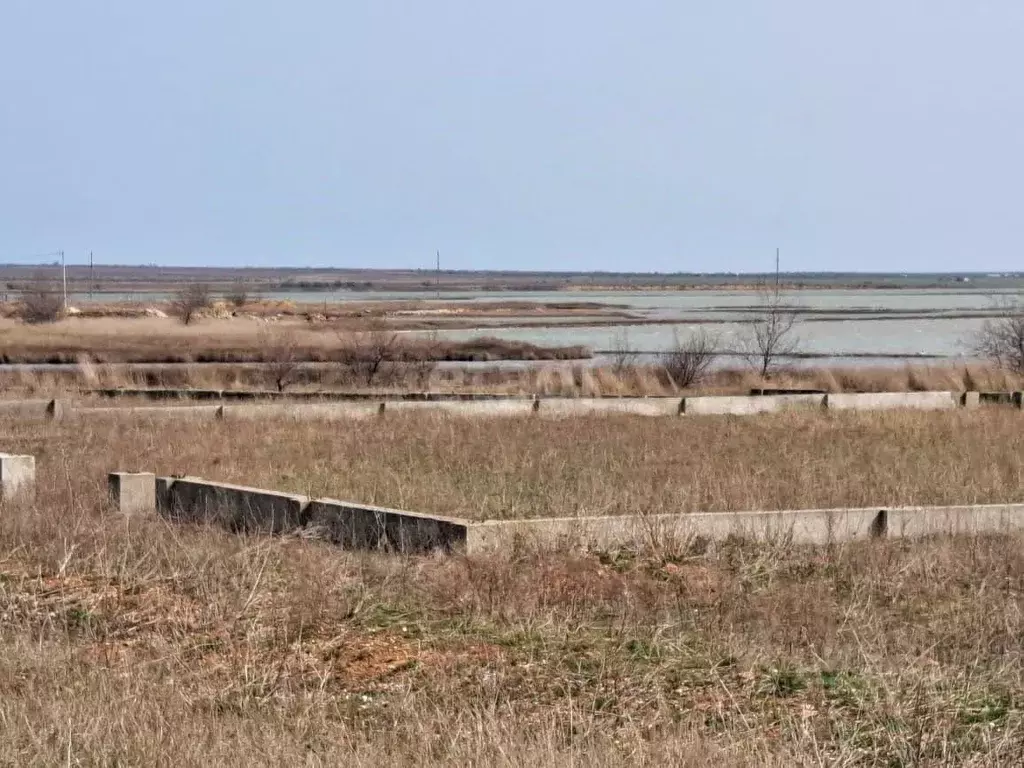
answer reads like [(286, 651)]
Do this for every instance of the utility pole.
[(776, 269), (92, 282), (437, 276), (64, 279)]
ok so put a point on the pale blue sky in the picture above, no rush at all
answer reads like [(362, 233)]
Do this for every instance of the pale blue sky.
[(671, 136)]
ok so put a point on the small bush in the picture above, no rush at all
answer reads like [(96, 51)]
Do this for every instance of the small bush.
[(689, 360), (43, 303), (190, 300)]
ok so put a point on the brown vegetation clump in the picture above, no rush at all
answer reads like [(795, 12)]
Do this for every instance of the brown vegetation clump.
[(131, 641), (190, 300), (42, 302)]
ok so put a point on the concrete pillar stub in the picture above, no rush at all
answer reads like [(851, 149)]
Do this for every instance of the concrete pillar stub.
[(17, 477), (133, 493)]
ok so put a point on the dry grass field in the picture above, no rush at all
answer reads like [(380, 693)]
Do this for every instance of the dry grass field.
[(131, 641), (494, 468)]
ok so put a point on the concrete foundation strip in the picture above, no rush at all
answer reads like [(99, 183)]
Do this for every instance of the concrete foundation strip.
[(552, 407), (367, 527)]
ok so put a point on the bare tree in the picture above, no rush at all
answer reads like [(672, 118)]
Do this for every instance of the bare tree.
[(770, 333), (689, 359), (281, 353), (238, 294), (1001, 339), (43, 302), (189, 300)]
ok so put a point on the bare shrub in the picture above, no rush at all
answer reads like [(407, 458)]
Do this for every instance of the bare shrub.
[(1001, 339), (424, 364), (190, 300), (43, 302), (238, 294), (689, 359), (370, 353), (282, 356), (770, 334), (623, 355)]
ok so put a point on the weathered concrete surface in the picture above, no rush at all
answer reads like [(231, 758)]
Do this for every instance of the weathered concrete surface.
[(741, 405), (151, 393), (236, 507), (882, 401), (191, 412), (300, 411), (17, 478), (982, 518), (970, 400), (820, 526), (772, 391), (470, 408), (637, 406), (812, 526), (999, 398), (361, 526), (133, 493), (24, 409)]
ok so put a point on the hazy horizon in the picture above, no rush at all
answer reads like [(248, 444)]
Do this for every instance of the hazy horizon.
[(667, 138)]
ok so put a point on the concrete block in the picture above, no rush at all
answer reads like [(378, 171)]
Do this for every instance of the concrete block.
[(970, 400), (581, 406), (17, 478), (361, 526), (740, 405), (133, 493), (882, 401), (236, 507)]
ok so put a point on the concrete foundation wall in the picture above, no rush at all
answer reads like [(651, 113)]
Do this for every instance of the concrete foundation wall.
[(983, 518), (236, 507), (881, 401), (800, 527), (518, 407), (813, 526), (299, 411), (742, 405), (26, 409), (475, 405), (189, 412), (639, 406), (360, 526)]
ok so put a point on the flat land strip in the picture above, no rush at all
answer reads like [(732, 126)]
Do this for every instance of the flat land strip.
[(205, 647), (524, 467)]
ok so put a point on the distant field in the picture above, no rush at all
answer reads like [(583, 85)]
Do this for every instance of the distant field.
[(108, 279)]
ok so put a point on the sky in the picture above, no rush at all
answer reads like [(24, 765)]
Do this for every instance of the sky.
[(669, 136)]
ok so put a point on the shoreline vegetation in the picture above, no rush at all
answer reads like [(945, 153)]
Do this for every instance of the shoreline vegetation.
[(552, 379)]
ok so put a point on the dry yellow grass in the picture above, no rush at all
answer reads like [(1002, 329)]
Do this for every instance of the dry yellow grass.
[(129, 641), (531, 467)]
